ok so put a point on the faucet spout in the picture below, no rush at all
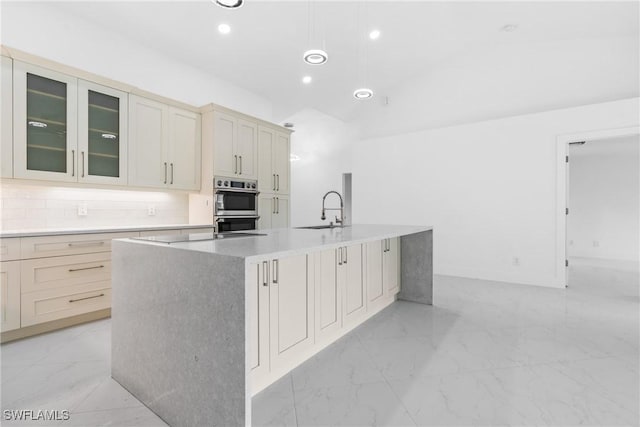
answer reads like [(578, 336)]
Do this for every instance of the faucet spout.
[(341, 208)]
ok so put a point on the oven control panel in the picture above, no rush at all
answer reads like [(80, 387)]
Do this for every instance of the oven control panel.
[(225, 183)]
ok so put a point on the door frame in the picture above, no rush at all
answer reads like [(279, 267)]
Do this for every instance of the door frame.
[(562, 191)]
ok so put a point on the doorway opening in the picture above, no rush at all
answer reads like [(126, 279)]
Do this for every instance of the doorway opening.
[(602, 199)]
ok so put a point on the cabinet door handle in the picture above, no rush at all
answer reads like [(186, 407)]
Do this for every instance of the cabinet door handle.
[(340, 256), (277, 205), (172, 173), (82, 299), (86, 244), (278, 182), (274, 182), (82, 154), (345, 255), (240, 157), (71, 270), (235, 164), (73, 162), (276, 273), (265, 273), (273, 205), (165, 172)]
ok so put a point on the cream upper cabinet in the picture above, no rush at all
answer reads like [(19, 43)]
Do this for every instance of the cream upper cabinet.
[(184, 149), (282, 162), (291, 310), (102, 134), (45, 121), (164, 147), (235, 143), (9, 295), (67, 129), (273, 165), (6, 117)]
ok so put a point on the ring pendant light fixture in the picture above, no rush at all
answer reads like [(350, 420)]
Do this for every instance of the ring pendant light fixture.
[(229, 4), (364, 92), (313, 56)]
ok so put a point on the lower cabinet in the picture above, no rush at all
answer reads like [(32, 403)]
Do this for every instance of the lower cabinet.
[(290, 310), (354, 302), (383, 271), (258, 310), (10, 295), (329, 281)]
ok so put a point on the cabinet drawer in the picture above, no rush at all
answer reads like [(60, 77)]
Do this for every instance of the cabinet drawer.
[(53, 304), (57, 272), (10, 249), (9, 295), (71, 244), (159, 233)]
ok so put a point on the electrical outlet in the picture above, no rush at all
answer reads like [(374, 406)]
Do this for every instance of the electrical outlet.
[(151, 210), (82, 209), (516, 261)]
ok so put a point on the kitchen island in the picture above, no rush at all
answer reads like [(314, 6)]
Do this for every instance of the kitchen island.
[(199, 327)]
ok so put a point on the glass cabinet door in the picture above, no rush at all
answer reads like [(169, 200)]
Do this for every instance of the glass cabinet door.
[(44, 124), (102, 134)]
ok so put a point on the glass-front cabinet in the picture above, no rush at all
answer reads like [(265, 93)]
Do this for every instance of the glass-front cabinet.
[(67, 129), (102, 134)]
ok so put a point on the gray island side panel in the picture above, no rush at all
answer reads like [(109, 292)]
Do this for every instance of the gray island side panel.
[(178, 332), (416, 252)]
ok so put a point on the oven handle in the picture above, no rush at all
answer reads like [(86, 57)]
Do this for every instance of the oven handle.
[(231, 190), (225, 218)]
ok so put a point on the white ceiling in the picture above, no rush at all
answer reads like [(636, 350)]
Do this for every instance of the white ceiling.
[(263, 52)]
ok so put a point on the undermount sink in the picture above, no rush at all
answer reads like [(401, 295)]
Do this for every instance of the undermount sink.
[(319, 227)]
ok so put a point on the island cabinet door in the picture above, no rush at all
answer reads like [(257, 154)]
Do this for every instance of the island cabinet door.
[(291, 312), (258, 310), (354, 286), (391, 263), (375, 281), (329, 279)]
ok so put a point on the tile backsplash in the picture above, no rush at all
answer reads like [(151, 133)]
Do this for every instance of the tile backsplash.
[(26, 206)]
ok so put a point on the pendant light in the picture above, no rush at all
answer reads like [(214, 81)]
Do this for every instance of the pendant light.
[(313, 56), (230, 4), (364, 92)]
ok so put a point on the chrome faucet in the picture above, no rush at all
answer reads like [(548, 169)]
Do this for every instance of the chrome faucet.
[(341, 209)]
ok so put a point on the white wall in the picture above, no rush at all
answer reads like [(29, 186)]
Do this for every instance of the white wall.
[(323, 145), (508, 79), (41, 29), (604, 199), (488, 188), (27, 206)]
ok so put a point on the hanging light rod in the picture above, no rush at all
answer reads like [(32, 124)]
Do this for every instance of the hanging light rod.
[(315, 56), (229, 4), (363, 93)]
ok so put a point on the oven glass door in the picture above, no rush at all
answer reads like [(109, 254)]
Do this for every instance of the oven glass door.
[(235, 203), (236, 224)]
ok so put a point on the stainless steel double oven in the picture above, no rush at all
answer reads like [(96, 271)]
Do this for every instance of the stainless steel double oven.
[(235, 204)]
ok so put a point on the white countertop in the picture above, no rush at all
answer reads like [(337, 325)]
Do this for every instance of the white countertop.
[(293, 241), (92, 230)]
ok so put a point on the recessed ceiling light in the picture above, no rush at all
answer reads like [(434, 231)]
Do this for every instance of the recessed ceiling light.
[(229, 4), (306, 80), (363, 93), (509, 28), (373, 35), (224, 28), (315, 56)]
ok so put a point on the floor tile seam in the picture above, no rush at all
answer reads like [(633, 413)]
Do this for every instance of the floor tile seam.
[(72, 411), (312, 388), (402, 405), (293, 395), (87, 395)]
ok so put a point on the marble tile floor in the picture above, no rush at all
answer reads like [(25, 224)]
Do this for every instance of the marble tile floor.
[(487, 353)]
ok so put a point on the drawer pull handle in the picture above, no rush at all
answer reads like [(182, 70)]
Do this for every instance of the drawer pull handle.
[(82, 299), (85, 244), (71, 270)]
